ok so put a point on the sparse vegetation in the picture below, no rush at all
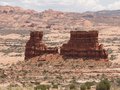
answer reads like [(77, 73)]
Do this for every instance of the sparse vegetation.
[(83, 87), (112, 57), (103, 85), (118, 81), (72, 87), (89, 84), (55, 86), (42, 87), (109, 50)]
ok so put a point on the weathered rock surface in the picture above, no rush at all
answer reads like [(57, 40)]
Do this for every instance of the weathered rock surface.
[(84, 44), (36, 47)]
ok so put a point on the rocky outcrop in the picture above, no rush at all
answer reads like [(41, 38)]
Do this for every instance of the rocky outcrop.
[(84, 44), (35, 46)]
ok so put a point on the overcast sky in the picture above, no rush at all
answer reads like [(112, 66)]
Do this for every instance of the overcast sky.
[(65, 5)]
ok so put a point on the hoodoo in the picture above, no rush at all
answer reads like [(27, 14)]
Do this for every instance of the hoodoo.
[(35, 46), (84, 44)]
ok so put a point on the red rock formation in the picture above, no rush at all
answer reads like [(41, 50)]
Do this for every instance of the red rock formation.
[(84, 44), (35, 46)]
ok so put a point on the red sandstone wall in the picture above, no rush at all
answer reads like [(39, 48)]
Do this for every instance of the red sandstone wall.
[(84, 44)]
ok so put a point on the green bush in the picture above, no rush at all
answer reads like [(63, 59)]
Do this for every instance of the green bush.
[(103, 85)]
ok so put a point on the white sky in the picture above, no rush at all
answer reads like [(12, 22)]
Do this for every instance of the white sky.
[(65, 5)]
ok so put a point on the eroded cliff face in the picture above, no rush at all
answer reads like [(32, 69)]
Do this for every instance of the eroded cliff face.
[(84, 44), (35, 46)]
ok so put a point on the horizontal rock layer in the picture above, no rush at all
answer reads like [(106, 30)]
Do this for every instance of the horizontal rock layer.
[(84, 44)]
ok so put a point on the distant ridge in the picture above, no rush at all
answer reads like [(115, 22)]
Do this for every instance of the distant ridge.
[(24, 19)]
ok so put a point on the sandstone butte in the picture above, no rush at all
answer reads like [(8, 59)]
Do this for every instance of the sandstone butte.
[(82, 44)]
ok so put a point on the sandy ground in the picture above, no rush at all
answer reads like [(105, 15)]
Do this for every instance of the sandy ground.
[(111, 33), (9, 60)]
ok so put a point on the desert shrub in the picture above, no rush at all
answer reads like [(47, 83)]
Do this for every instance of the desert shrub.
[(113, 57), (89, 84), (2, 74), (109, 50), (118, 81), (83, 87), (103, 85), (42, 87), (13, 86), (72, 87), (55, 86)]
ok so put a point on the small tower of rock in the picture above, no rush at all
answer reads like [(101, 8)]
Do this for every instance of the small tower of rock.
[(35, 47)]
